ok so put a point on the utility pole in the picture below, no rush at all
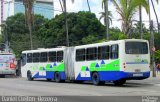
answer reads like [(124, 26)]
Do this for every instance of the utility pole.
[(153, 50), (106, 19), (66, 23)]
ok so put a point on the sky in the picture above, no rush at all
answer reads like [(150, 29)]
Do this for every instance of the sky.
[(96, 7)]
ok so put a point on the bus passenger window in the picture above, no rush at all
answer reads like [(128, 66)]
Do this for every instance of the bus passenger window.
[(43, 57), (59, 56), (52, 56), (36, 57), (80, 55), (29, 57), (103, 52), (91, 54), (114, 52)]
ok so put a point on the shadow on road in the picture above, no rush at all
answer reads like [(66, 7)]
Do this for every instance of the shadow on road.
[(128, 84)]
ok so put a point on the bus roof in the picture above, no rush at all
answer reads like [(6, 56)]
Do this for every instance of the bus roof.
[(82, 46), (43, 50), (109, 42)]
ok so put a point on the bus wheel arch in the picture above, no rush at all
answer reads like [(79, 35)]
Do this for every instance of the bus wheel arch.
[(29, 75)]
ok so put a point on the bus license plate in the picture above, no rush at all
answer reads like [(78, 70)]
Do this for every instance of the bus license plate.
[(137, 75)]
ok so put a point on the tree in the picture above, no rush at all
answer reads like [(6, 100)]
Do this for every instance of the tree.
[(144, 4), (126, 10), (103, 14), (157, 55), (28, 4), (84, 28), (88, 6), (18, 32), (105, 3), (158, 26)]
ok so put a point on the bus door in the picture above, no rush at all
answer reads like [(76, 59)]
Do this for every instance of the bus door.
[(69, 59)]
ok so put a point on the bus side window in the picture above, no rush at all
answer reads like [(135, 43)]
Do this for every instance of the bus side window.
[(23, 59), (80, 55), (91, 54), (29, 57), (43, 57), (103, 52), (59, 56), (114, 52), (52, 56), (36, 57)]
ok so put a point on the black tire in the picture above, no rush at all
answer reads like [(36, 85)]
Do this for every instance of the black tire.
[(2, 76), (49, 79), (119, 82), (57, 77), (78, 81), (96, 79), (29, 76)]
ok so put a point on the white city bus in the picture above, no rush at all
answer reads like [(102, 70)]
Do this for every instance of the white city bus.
[(7, 64), (115, 61)]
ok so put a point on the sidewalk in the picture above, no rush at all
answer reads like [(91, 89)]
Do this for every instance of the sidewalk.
[(157, 74)]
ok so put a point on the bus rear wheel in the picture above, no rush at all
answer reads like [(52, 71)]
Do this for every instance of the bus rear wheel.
[(96, 79), (29, 76), (119, 82)]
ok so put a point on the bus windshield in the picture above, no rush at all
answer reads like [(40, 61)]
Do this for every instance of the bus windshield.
[(136, 48)]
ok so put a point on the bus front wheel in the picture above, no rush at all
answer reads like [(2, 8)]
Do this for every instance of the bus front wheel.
[(96, 79), (29, 76)]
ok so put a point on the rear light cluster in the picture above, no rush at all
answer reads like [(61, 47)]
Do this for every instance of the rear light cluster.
[(12, 66)]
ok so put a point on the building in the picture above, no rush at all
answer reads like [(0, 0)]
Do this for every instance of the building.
[(42, 7), (11, 7)]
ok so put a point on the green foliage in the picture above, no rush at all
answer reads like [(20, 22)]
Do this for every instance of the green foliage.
[(127, 9), (157, 55), (83, 28), (1, 39), (19, 35)]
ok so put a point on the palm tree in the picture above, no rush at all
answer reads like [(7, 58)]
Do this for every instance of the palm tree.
[(105, 3), (126, 9), (144, 4), (156, 15), (103, 14), (88, 6), (29, 17)]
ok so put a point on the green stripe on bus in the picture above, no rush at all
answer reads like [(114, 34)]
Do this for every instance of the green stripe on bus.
[(113, 66)]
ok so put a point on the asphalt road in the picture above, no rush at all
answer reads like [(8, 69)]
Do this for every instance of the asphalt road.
[(22, 87)]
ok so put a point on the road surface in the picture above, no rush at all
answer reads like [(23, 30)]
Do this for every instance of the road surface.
[(22, 87)]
